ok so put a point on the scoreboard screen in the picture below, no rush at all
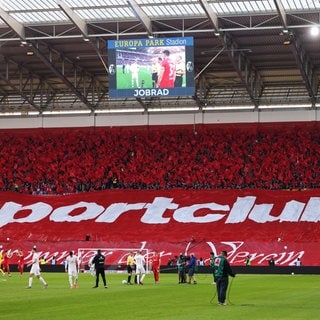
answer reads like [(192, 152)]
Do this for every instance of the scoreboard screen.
[(152, 67)]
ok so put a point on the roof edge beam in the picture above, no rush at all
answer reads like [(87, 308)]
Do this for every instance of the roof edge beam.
[(281, 13), (247, 73), (306, 69), (22, 94), (141, 15), (211, 14), (62, 77), (13, 24), (80, 23)]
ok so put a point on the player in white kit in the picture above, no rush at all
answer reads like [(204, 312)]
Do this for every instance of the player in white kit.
[(35, 269), (140, 270), (71, 267)]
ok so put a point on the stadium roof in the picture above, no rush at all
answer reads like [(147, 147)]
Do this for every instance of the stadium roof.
[(248, 54)]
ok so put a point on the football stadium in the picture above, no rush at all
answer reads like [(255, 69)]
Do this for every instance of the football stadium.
[(160, 159)]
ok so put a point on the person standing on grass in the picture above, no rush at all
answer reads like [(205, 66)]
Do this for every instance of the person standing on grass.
[(130, 266), (71, 267), (20, 255), (6, 262), (140, 270), (98, 262), (1, 259), (212, 266), (222, 270), (192, 269), (35, 269), (155, 266), (181, 263)]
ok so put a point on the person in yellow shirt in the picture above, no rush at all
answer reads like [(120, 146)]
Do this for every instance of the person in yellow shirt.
[(180, 72), (130, 266), (1, 259), (156, 66)]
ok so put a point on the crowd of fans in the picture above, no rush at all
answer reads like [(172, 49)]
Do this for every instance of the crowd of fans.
[(49, 161)]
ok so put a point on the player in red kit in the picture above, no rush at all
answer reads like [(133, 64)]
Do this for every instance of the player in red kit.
[(20, 255), (5, 262), (167, 73), (155, 266)]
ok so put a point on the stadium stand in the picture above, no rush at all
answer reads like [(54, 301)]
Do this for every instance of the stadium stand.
[(262, 156)]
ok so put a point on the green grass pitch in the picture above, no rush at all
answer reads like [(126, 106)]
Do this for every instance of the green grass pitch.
[(124, 79), (250, 297)]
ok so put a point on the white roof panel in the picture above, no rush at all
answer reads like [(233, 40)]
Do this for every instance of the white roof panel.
[(37, 11), (242, 7), (21, 5), (300, 5)]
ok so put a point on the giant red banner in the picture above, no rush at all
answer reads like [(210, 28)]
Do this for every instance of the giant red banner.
[(263, 224)]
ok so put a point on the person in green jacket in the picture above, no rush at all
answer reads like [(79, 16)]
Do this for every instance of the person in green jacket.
[(222, 271)]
